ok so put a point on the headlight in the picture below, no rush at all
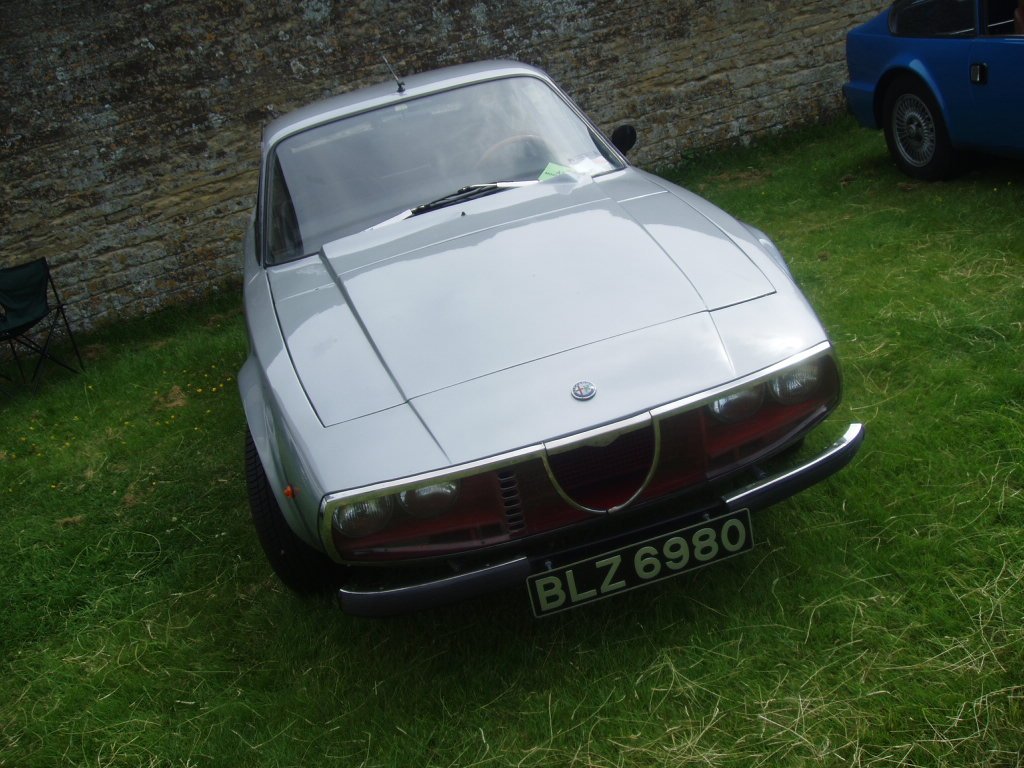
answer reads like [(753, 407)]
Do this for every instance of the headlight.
[(430, 500), (797, 384), (363, 517), (737, 406)]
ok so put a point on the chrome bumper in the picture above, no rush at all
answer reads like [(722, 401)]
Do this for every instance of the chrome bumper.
[(775, 488), (462, 586)]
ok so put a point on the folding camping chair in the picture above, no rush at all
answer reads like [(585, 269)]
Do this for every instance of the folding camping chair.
[(25, 302)]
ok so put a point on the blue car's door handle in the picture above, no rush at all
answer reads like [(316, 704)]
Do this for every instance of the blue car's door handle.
[(979, 73)]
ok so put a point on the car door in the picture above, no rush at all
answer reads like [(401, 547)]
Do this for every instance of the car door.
[(938, 35), (996, 74)]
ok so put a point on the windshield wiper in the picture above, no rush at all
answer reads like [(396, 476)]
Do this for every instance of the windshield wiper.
[(461, 195), (469, 192)]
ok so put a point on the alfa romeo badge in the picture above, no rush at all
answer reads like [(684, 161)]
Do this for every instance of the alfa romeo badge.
[(583, 390)]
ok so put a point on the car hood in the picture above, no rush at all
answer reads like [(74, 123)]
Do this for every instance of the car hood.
[(561, 279)]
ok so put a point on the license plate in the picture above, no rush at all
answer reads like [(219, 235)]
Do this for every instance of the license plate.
[(637, 565)]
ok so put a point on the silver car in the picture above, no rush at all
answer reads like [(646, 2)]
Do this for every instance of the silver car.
[(486, 352)]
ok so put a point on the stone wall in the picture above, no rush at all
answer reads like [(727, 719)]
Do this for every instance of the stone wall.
[(129, 131)]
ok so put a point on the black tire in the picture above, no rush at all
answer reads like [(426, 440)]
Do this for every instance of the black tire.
[(300, 567), (915, 131)]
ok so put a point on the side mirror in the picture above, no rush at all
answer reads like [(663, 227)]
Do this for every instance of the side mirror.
[(624, 137)]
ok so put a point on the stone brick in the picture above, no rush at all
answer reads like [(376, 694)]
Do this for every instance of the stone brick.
[(129, 132)]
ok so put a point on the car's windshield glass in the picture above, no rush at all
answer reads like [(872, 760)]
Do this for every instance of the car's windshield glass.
[(353, 173)]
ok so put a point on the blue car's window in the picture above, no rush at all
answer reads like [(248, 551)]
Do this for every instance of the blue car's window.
[(348, 175), (933, 18), (999, 17)]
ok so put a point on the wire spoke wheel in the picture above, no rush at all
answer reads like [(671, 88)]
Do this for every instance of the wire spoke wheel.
[(914, 130)]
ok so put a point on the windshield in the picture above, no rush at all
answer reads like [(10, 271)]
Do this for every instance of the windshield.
[(350, 174)]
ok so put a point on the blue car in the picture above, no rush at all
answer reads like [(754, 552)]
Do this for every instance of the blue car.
[(940, 76)]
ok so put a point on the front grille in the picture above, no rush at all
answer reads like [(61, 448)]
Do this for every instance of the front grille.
[(601, 477)]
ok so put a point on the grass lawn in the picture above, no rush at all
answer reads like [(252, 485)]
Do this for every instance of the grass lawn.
[(878, 622)]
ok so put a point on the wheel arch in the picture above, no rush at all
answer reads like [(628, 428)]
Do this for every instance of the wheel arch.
[(914, 69), (263, 430)]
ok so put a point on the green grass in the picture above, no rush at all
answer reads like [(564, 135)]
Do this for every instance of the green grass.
[(879, 621)]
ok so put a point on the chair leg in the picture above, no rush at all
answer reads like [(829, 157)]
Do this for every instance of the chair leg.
[(44, 352), (5, 377), (71, 337), (17, 360)]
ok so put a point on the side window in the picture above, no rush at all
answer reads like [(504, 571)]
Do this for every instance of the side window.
[(283, 236), (933, 18), (999, 17)]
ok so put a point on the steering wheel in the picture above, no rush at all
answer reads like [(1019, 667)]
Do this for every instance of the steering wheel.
[(532, 145)]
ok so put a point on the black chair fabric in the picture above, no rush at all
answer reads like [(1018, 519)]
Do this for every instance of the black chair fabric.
[(28, 296)]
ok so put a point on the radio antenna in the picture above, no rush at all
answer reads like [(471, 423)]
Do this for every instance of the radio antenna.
[(401, 85)]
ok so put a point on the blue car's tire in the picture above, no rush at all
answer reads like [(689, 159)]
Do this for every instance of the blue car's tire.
[(915, 130), (299, 566)]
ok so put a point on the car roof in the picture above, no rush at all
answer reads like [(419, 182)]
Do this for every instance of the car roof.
[(385, 93)]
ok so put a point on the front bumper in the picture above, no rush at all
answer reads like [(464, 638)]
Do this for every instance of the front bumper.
[(763, 493)]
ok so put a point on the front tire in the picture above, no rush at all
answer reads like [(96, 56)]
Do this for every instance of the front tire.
[(915, 131), (301, 568)]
